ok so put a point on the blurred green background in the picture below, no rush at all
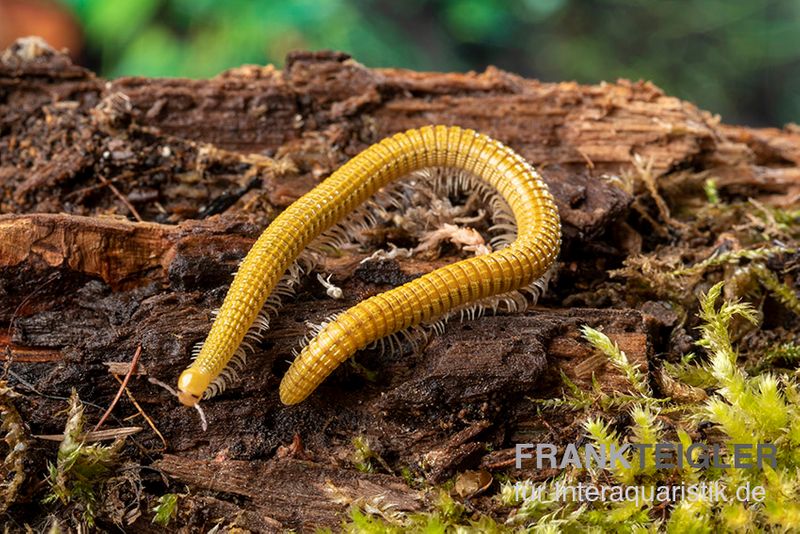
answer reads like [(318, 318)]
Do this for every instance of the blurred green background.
[(738, 58)]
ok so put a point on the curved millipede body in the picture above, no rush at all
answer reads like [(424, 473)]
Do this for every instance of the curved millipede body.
[(420, 301)]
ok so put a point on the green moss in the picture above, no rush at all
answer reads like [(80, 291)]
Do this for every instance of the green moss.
[(732, 257), (15, 442), (712, 193), (619, 359), (746, 410), (785, 353), (362, 455), (77, 476), (781, 291), (166, 509)]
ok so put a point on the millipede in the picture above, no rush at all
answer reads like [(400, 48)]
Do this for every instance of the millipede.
[(451, 157)]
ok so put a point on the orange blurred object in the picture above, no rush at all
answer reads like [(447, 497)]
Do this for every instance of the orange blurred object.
[(49, 20)]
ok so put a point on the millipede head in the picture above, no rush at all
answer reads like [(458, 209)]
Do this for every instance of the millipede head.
[(191, 385)]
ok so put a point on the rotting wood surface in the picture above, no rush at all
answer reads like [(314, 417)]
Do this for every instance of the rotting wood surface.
[(206, 164)]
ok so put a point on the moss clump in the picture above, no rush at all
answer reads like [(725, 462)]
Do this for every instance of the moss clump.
[(744, 409), (77, 477), (12, 430)]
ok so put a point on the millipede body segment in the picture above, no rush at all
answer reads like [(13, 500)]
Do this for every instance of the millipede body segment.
[(420, 301)]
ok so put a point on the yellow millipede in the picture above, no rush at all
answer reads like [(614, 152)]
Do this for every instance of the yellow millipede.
[(421, 301)]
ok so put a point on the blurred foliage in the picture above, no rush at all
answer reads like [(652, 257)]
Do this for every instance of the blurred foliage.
[(735, 57)]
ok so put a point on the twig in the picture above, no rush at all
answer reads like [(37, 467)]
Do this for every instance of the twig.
[(90, 188), (122, 198), (112, 433), (141, 411), (134, 361)]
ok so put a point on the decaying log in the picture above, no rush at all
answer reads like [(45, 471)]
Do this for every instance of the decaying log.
[(207, 164)]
